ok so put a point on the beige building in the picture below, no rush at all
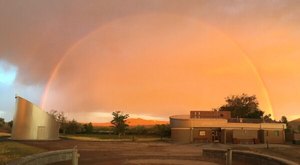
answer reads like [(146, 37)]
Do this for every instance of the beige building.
[(294, 125), (32, 123), (218, 126)]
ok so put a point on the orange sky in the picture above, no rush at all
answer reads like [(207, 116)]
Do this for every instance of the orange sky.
[(154, 59)]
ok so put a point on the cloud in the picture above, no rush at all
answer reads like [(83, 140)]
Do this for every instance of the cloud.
[(8, 73), (100, 116), (45, 30), (2, 113), (35, 35)]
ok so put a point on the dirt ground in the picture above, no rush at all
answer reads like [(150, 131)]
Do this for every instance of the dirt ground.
[(154, 153), (129, 153)]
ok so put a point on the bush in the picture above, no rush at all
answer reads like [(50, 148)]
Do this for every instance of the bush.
[(163, 130), (73, 127), (138, 130), (88, 128)]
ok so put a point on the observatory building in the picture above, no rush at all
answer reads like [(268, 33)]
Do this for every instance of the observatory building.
[(218, 126), (32, 123)]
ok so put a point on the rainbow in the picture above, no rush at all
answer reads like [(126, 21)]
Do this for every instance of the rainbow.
[(244, 53)]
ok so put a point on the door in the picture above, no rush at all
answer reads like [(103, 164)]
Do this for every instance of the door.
[(41, 133), (216, 135)]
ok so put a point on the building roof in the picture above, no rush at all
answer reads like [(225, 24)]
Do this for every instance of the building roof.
[(295, 121)]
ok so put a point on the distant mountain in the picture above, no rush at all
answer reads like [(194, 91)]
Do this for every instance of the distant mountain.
[(135, 122)]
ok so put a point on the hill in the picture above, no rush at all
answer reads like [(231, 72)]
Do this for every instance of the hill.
[(134, 122)]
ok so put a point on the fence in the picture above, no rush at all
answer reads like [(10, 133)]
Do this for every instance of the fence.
[(49, 157), (245, 157)]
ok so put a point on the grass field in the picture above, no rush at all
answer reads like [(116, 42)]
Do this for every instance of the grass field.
[(10, 150)]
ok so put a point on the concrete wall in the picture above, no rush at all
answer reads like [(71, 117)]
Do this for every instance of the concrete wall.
[(184, 121), (228, 138), (182, 135), (272, 136), (296, 136), (180, 123), (210, 114), (246, 157), (245, 136), (202, 135), (32, 123), (244, 132)]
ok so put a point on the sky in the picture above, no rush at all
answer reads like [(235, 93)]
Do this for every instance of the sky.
[(151, 59)]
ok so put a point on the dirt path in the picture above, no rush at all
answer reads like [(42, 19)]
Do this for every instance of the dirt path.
[(154, 153), (129, 153)]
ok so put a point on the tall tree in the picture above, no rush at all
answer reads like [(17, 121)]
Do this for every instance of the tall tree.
[(242, 106), (61, 118), (119, 122)]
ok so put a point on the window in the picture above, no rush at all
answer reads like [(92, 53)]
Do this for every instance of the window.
[(202, 133), (276, 133)]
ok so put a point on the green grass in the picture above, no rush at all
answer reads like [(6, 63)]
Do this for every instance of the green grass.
[(10, 150), (100, 137)]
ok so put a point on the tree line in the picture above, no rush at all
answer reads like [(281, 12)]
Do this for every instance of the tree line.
[(70, 126), (5, 126), (119, 126)]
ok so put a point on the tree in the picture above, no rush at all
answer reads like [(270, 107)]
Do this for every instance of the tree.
[(284, 119), (119, 122), (61, 118), (267, 118), (163, 130), (242, 106), (10, 123), (73, 127), (88, 128), (2, 122)]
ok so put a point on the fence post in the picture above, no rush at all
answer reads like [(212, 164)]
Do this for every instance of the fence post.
[(75, 156), (229, 157)]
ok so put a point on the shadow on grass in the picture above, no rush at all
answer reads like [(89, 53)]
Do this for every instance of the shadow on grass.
[(11, 150)]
